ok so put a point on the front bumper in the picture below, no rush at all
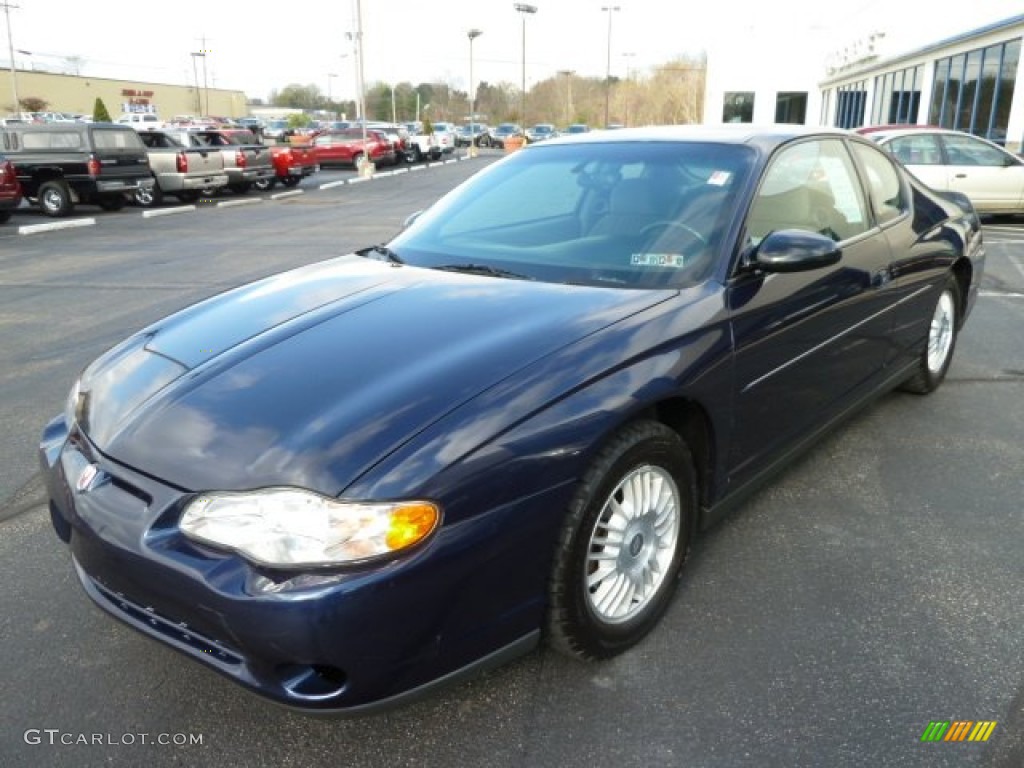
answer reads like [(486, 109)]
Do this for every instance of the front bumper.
[(348, 642)]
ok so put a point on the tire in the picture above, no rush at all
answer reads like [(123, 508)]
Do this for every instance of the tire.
[(55, 199), (188, 196), (149, 196), (291, 181), (264, 184), (415, 155), (5, 216), (938, 350), (241, 188), (595, 616)]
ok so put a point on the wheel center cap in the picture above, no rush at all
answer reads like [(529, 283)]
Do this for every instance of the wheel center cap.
[(636, 545)]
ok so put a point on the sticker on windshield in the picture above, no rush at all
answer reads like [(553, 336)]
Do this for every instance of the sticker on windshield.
[(719, 178), (657, 260)]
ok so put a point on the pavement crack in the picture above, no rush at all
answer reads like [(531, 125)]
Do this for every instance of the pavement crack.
[(29, 496)]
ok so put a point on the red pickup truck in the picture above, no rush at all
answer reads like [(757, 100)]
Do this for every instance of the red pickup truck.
[(292, 163), (346, 147)]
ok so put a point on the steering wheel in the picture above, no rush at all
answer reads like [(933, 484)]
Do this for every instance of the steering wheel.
[(654, 232)]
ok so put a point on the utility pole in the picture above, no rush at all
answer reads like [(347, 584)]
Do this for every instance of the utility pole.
[(10, 47), (608, 66)]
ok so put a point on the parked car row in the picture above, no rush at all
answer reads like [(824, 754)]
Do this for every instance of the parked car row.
[(60, 166)]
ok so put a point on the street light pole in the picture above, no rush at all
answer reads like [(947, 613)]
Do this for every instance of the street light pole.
[(524, 9), (10, 48), (367, 167), (473, 34), (568, 93), (330, 99), (608, 65)]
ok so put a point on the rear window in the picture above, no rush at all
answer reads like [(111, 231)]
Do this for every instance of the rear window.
[(52, 140), (108, 139)]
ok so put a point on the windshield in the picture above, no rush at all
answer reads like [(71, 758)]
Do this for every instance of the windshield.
[(629, 214)]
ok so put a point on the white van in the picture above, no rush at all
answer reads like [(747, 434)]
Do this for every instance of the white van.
[(142, 121)]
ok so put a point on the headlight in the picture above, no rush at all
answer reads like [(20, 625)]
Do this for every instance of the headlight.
[(292, 528)]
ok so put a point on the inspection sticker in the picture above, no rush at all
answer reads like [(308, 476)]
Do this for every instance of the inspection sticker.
[(719, 178), (657, 260)]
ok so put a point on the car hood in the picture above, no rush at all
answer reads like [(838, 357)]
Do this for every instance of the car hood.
[(310, 377)]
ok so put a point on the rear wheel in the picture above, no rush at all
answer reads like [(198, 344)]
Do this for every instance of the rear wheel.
[(938, 352), (291, 181), (240, 188), (147, 197), (262, 185), (623, 543), (414, 154), (55, 199)]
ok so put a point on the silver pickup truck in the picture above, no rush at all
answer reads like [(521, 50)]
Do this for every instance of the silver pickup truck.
[(180, 170), (245, 159)]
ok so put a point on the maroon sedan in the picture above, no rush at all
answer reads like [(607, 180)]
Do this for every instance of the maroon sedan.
[(10, 189), (347, 146)]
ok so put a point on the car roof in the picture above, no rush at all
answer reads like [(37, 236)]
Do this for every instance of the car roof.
[(766, 136), (886, 134)]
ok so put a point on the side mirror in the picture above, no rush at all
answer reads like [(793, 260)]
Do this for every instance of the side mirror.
[(794, 250)]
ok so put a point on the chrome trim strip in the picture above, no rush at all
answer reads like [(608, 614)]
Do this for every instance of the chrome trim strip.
[(839, 335)]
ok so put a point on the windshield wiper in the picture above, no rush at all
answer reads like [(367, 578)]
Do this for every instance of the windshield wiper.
[(483, 269), (382, 250)]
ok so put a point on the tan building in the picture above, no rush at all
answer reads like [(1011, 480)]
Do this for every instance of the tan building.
[(75, 93)]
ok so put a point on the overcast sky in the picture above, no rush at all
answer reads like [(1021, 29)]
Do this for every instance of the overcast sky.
[(259, 46)]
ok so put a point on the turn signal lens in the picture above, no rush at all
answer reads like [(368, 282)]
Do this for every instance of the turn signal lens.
[(410, 523)]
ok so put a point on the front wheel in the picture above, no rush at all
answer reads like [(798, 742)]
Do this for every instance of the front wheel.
[(264, 184), (291, 181), (938, 352), (623, 543)]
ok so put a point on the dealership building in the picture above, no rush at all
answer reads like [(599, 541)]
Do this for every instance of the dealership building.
[(78, 94), (973, 81)]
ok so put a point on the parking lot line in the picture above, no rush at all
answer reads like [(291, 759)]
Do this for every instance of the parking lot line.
[(290, 193), (333, 184)]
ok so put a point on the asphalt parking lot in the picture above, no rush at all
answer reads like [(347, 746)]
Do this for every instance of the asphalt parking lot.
[(875, 586)]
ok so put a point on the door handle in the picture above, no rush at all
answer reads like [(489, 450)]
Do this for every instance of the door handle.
[(960, 176)]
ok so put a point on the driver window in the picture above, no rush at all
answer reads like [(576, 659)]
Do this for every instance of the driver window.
[(810, 186)]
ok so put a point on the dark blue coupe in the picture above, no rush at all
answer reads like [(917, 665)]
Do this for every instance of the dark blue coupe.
[(344, 484)]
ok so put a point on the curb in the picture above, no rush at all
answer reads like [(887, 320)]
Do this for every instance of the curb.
[(31, 229), (236, 203), (168, 211)]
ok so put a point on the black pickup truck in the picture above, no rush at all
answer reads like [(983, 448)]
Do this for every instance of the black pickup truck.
[(61, 164)]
